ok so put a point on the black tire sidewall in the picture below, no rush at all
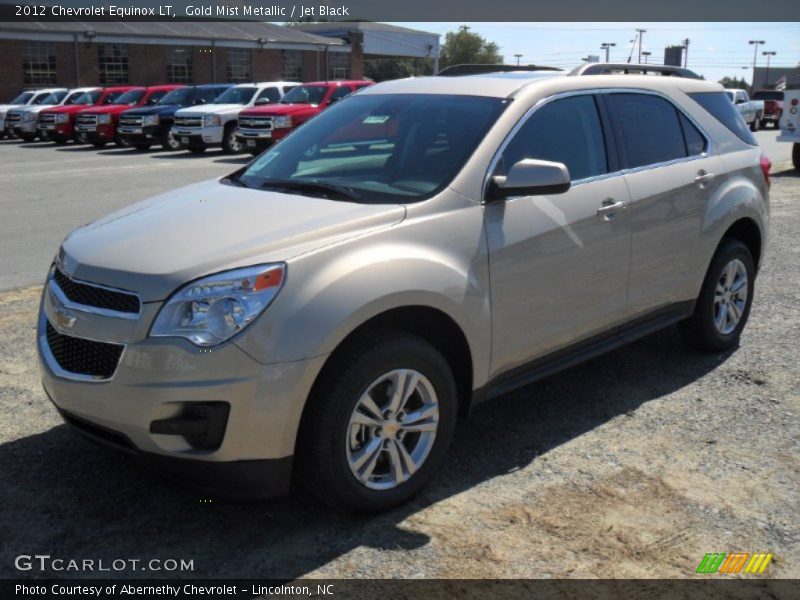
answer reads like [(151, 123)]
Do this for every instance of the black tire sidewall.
[(405, 353)]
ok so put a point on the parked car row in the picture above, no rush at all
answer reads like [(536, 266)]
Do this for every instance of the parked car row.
[(175, 117)]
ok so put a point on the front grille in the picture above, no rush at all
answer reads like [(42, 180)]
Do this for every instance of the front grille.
[(90, 295), (255, 123), (128, 121), (188, 121), (13, 117), (86, 119), (47, 118), (83, 357)]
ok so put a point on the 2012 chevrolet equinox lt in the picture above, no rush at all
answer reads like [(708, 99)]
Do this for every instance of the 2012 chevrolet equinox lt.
[(324, 314)]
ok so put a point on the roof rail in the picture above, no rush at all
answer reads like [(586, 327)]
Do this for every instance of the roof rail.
[(477, 69), (632, 69)]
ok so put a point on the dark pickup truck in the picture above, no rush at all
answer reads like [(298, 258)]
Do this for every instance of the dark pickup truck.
[(773, 106), (148, 125)]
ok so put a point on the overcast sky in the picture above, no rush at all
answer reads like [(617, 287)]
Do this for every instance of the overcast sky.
[(715, 49)]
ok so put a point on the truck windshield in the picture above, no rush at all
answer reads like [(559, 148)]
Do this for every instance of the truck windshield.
[(378, 148), (53, 98), (129, 97), (305, 94), (88, 97), (236, 95), (182, 96), (112, 97), (73, 98), (22, 98)]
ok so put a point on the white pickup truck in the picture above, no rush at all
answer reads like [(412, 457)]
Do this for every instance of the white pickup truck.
[(214, 124), (751, 110), (790, 124), (26, 98)]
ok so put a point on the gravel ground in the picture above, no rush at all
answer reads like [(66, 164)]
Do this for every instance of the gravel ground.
[(632, 465)]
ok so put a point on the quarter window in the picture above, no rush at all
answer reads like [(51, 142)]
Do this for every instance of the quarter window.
[(113, 63), (39, 62), (650, 129), (566, 131), (239, 65), (695, 142), (179, 65)]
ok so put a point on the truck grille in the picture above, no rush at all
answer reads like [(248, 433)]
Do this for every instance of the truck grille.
[(99, 297), (260, 123), (47, 118), (188, 121), (130, 121), (13, 117), (86, 119), (83, 357)]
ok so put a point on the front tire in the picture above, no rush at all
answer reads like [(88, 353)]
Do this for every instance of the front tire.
[(722, 309), (169, 142), (230, 145), (378, 423), (796, 156), (754, 124)]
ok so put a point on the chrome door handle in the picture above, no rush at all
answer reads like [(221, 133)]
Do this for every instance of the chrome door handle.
[(609, 208), (703, 177)]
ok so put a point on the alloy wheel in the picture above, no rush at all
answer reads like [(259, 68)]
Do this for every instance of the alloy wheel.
[(730, 297)]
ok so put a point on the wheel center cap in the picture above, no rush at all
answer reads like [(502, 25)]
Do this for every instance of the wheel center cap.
[(390, 428)]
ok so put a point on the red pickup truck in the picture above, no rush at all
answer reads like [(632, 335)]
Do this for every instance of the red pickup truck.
[(97, 125), (260, 127), (58, 124), (773, 106)]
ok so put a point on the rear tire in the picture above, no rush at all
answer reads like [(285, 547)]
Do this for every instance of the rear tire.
[(333, 432), (754, 124), (723, 306)]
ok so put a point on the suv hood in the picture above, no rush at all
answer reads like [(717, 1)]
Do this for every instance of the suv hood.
[(213, 109), (283, 109), (161, 109), (158, 245)]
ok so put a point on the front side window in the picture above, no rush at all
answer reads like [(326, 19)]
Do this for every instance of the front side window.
[(568, 131), (180, 65), (239, 65), (53, 98), (181, 96), (129, 97), (39, 62), (236, 95), (113, 63), (378, 148), (650, 129), (89, 97), (341, 92), (305, 94), (272, 94), (155, 97), (292, 65)]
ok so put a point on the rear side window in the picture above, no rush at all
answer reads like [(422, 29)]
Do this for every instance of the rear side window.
[(566, 131), (650, 129), (724, 111)]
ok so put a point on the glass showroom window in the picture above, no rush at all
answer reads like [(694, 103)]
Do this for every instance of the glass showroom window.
[(39, 62), (113, 62), (239, 65), (179, 65), (292, 65), (338, 65)]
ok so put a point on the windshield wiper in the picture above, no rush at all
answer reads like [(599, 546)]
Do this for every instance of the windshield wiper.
[(313, 187)]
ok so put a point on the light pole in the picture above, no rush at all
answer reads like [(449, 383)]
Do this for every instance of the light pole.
[(755, 43), (607, 47), (646, 54), (686, 53), (518, 56), (766, 79), (641, 33)]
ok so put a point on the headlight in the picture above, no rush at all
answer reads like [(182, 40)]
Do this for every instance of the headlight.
[(212, 121), (104, 119), (282, 122), (213, 309), (150, 120), (62, 118), (28, 116)]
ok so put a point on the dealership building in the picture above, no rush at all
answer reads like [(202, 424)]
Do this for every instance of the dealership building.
[(73, 53)]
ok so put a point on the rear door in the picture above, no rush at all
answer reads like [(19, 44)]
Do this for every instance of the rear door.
[(558, 263), (671, 176)]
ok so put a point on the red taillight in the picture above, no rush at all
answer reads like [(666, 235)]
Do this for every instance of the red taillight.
[(766, 165)]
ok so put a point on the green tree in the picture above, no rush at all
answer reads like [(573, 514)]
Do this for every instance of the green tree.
[(383, 69), (734, 83), (462, 47)]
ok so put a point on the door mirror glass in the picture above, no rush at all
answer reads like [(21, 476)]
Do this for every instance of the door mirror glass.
[(262, 101), (531, 177)]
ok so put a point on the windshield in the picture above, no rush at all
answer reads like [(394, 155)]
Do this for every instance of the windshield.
[(112, 97), (182, 96), (236, 95), (53, 98), (768, 95), (73, 98), (88, 97), (305, 94), (129, 97), (22, 98), (378, 148)]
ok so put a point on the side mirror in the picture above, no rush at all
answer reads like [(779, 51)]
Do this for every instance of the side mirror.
[(740, 101), (262, 101), (531, 177)]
